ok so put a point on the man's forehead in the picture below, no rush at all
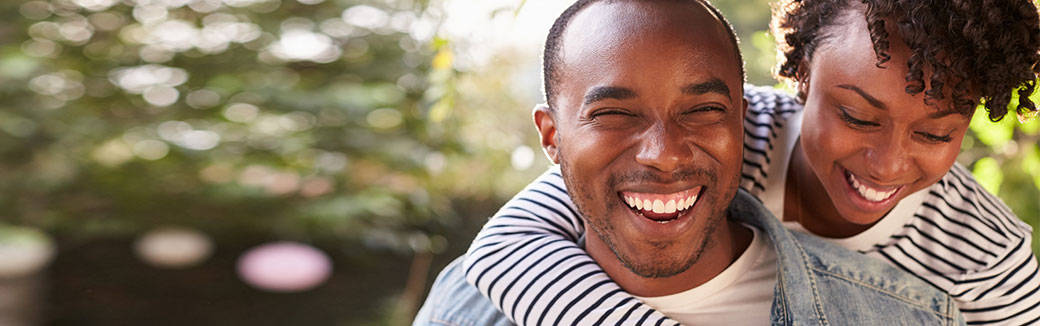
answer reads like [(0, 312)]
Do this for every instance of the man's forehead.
[(623, 37), (606, 26), (609, 18)]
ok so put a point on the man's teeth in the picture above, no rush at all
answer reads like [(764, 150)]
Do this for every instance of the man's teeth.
[(869, 193), (660, 207)]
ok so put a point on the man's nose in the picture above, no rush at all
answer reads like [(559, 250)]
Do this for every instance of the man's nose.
[(889, 159), (663, 148)]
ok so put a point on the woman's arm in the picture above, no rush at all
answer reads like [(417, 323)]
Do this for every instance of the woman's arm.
[(1006, 290), (527, 260)]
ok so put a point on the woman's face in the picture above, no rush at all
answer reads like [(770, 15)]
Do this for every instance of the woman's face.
[(869, 142)]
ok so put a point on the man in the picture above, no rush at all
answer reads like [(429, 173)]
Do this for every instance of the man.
[(645, 118)]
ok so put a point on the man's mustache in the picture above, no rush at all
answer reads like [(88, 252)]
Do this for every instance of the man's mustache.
[(646, 176)]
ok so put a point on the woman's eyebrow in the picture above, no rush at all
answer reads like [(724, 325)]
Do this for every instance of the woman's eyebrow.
[(870, 99)]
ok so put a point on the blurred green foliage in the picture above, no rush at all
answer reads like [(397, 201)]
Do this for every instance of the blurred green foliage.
[(320, 120)]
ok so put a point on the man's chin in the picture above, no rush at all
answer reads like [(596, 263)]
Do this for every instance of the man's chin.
[(658, 259), (656, 269)]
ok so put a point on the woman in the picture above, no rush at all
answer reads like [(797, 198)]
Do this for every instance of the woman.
[(889, 88)]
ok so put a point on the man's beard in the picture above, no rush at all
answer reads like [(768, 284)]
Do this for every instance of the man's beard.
[(654, 269), (605, 230)]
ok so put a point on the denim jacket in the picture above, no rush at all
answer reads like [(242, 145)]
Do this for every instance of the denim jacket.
[(818, 283)]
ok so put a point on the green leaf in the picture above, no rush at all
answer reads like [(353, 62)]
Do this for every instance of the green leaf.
[(993, 134), (1031, 163), (987, 172), (1031, 126)]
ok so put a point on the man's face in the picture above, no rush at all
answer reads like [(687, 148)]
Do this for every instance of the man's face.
[(648, 129)]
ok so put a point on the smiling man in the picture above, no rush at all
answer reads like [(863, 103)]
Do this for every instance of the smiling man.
[(649, 140), (645, 120)]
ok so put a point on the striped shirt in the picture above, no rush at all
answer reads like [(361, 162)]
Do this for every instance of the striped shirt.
[(954, 235)]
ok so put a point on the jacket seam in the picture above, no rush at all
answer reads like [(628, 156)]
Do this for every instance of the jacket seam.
[(812, 285), (443, 322), (944, 315), (450, 321), (783, 299)]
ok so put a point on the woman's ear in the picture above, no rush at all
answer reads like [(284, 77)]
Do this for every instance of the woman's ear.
[(802, 79), (543, 120)]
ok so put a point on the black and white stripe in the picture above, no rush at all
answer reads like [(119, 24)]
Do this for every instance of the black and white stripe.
[(526, 259), (967, 242), (962, 239)]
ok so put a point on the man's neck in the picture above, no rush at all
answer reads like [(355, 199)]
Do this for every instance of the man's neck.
[(724, 246)]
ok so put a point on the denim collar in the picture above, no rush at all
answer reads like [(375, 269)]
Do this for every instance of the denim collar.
[(793, 271)]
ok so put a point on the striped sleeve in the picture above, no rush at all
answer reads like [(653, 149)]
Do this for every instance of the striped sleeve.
[(764, 122), (1005, 291), (527, 261), (964, 240)]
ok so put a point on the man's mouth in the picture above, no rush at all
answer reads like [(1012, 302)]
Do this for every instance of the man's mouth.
[(662, 208), (869, 192)]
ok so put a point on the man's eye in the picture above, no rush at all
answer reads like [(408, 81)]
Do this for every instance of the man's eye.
[(704, 114), (604, 113), (853, 121), (706, 109), (935, 138), (611, 118)]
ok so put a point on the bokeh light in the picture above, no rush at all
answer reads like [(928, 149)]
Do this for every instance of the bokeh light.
[(136, 80), (173, 247), (302, 45), (522, 158), (151, 149), (23, 251), (284, 267)]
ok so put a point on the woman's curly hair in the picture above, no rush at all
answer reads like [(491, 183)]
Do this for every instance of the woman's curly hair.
[(980, 49)]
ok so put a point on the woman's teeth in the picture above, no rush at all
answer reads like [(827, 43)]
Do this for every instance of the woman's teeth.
[(869, 193)]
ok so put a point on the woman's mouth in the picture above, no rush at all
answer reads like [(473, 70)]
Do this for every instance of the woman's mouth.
[(662, 208), (871, 193)]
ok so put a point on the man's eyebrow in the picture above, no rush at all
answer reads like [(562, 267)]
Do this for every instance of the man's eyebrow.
[(604, 92), (713, 85), (870, 99)]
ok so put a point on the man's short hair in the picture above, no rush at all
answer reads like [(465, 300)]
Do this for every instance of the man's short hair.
[(551, 58)]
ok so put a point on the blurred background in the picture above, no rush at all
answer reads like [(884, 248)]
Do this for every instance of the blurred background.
[(275, 162)]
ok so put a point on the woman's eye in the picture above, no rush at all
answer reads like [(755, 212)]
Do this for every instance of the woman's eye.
[(853, 121), (935, 138)]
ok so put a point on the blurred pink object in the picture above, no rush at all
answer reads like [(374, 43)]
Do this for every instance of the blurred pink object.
[(284, 267)]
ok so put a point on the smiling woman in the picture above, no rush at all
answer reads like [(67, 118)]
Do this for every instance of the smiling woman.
[(864, 142)]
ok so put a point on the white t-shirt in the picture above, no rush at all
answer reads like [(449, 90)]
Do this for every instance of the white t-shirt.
[(741, 295)]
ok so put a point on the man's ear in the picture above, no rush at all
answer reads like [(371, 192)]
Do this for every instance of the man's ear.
[(543, 120), (743, 108)]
